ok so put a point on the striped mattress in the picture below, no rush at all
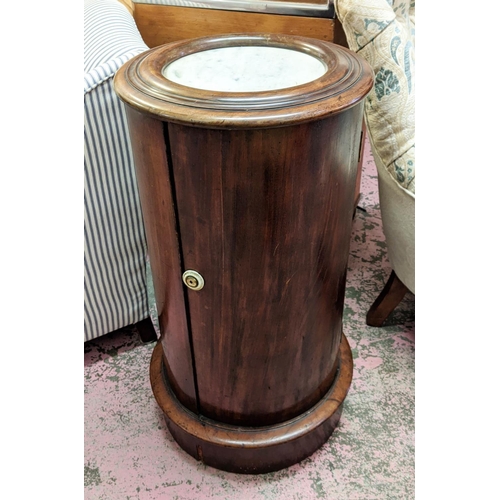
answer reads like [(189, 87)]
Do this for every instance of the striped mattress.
[(115, 258)]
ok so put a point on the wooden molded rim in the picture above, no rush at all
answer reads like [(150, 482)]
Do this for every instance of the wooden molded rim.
[(229, 436), (141, 84)]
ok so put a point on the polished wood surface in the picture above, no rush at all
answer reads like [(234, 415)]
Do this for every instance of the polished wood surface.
[(157, 205), (359, 173), (265, 217), (347, 80), (253, 191), (252, 450), (161, 24), (391, 295), (339, 36)]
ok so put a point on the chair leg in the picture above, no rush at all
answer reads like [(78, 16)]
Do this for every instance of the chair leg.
[(389, 298), (146, 330)]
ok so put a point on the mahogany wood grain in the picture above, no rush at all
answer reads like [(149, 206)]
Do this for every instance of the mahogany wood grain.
[(160, 24), (357, 189), (346, 81), (254, 191), (265, 216), (339, 36), (391, 295), (253, 450), (157, 205)]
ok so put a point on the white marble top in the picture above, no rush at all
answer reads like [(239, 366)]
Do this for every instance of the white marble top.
[(245, 69)]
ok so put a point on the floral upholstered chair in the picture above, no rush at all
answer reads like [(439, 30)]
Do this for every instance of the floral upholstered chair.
[(383, 33)]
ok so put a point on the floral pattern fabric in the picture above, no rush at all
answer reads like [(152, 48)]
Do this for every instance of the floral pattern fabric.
[(383, 33)]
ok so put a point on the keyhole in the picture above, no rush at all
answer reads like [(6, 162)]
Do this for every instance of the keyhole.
[(193, 280)]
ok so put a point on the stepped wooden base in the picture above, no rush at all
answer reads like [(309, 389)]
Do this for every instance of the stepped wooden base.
[(252, 450)]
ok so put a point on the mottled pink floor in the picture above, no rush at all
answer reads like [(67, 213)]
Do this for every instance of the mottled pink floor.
[(129, 453)]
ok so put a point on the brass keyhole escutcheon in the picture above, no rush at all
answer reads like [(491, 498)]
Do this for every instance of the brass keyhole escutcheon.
[(193, 280)]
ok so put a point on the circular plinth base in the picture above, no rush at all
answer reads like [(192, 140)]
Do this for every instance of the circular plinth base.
[(252, 450)]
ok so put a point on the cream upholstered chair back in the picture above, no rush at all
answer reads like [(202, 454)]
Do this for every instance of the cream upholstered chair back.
[(383, 33)]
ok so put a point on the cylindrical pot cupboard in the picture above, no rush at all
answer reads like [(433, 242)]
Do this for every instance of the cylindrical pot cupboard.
[(246, 150)]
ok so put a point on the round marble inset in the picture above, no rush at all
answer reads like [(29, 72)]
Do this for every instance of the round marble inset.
[(245, 69)]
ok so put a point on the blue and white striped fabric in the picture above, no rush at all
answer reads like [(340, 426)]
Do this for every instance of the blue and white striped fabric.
[(109, 33), (115, 243)]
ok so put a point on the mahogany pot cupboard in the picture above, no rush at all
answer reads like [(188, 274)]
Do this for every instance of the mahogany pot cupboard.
[(160, 24), (247, 203)]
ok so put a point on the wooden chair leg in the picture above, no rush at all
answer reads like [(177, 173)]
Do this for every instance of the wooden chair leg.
[(146, 330), (389, 298)]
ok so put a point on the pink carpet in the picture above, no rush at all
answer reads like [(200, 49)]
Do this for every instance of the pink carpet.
[(130, 455)]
